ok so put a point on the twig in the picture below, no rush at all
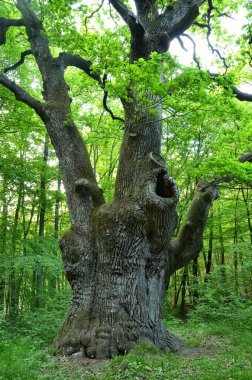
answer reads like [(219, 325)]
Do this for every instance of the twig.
[(213, 49), (92, 14)]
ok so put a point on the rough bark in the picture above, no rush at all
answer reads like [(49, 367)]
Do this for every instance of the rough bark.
[(117, 257)]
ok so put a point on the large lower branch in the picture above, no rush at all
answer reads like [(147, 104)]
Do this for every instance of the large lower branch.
[(189, 242), (122, 10)]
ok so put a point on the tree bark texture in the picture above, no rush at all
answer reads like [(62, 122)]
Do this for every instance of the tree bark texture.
[(117, 257)]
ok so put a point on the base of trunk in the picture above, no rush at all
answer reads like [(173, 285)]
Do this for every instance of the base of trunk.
[(102, 342)]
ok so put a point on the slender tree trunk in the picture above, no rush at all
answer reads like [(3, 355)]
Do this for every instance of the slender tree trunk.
[(3, 240), (176, 291), (235, 240), (53, 281), (195, 281), (246, 195), (57, 212), (222, 249), (43, 182), (14, 281), (210, 248), (183, 292)]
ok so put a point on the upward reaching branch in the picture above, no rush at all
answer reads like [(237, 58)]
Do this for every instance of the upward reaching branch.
[(129, 17), (122, 10), (190, 239)]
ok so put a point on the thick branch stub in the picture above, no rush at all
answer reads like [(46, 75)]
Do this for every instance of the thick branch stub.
[(84, 188), (157, 159), (122, 10), (190, 239), (240, 95), (185, 22)]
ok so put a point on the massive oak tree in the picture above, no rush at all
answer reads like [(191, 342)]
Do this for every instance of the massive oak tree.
[(118, 257)]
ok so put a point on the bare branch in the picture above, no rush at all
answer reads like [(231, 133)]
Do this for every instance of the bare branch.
[(92, 14), (5, 24), (105, 97), (86, 66), (111, 14), (213, 49), (129, 17), (194, 49), (200, 25), (22, 95), (182, 44), (20, 62)]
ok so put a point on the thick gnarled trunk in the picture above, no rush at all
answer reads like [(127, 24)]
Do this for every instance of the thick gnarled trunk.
[(119, 270)]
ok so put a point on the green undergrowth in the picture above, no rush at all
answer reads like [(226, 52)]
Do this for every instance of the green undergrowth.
[(225, 352)]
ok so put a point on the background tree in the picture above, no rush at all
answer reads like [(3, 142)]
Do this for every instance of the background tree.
[(118, 256)]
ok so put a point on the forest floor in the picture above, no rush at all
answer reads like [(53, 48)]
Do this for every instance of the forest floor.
[(225, 353)]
